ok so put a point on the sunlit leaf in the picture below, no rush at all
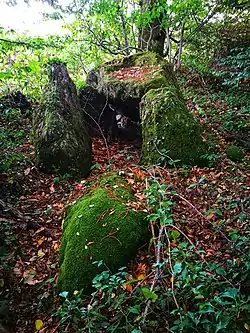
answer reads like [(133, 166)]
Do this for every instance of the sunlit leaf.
[(38, 324), (149, 294)]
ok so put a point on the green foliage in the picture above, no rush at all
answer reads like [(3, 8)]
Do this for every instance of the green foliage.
[(202, 295), (6, 240), (228, 111), (103, 29), (29, 56), (10, 138), (93, 316), (235, 68), (8, 249), (235, 153)]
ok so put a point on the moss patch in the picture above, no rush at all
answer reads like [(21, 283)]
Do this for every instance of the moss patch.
[(160, 75), (99, 227), (169, 130), (235, 153), (60, 136)]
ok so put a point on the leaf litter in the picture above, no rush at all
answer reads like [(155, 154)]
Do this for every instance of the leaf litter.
[(218, 200)]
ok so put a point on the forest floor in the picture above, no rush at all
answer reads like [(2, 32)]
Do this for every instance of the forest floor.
[(33, 205)]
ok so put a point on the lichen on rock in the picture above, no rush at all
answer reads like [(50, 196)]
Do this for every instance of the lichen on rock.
[(169, 131), (99, 227), (62, 142)]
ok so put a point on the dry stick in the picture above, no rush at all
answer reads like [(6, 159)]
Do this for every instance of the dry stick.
[(141, 282), (103, 44), (172, 273), (163, 228), (102, 134), (26, 219), (151, 222), (156, 278), (173, 226), (205, 218), (202, 258), (106, 102), (157, 250), (165, 155), (152, 286), (170, 261), (151, 34)]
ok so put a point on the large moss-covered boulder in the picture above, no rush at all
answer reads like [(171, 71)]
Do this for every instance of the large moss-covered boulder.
[(99, 227), (62, 142), (169, 131)]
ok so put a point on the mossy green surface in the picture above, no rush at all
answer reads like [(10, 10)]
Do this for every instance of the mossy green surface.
[(169, 130), (138, 59), (160, 75), (62, 142), (99, 227), (235, 153)]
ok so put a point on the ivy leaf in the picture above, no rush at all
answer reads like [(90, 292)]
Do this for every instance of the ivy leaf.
[(222, 324), (64, 294), (175, 234), (230, 293), (149, 294), (134, 309), (6, 75), (177, 268)]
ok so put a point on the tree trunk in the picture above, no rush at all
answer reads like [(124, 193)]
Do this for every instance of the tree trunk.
[(152, 36), (168, 46), (124, 31), (178, 64)]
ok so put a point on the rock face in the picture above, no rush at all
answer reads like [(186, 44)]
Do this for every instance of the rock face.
[(99, 227), (125, 82), (169, 132), (97, 112), (62, 142), (143, 89), (121, 84)]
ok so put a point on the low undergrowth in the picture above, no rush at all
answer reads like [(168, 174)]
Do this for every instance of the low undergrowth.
[(224, 112), (13, 134), (194, 274), (183, 291), (194, 277)]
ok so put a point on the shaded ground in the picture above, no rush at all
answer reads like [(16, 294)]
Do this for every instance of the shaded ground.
[(211, 202)]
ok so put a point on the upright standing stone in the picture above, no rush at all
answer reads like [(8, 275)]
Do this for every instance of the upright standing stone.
[(170, 133), (62, 142)]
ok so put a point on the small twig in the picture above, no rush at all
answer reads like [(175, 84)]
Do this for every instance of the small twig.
[(26, 219), (206, 219), (156, 277), (173, 226), (111, 235), (99, 127), (172, 273), (164, 155)]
